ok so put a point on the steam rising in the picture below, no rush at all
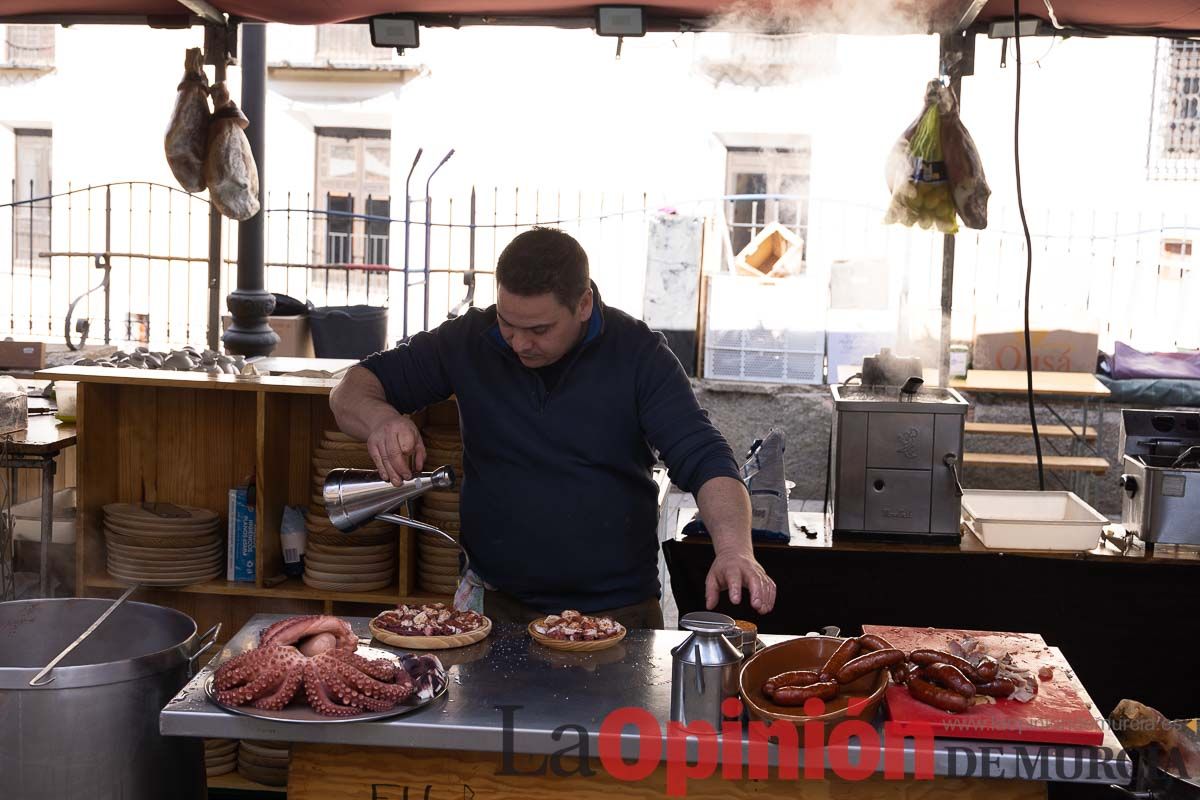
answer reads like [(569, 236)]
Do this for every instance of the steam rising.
[(871, 17)]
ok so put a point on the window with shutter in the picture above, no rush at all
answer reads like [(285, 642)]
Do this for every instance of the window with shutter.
[(354, 189), (782, 175), (31, 215), (29, 45), (1174, 151)]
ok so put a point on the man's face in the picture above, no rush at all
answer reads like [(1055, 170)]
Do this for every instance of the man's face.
[(538, 328)]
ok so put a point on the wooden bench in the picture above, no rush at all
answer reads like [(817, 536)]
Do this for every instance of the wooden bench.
[(1090, 464), (1017, 429)]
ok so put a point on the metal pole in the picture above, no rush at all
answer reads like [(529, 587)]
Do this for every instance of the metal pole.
[(218, 60), (956, 58), (108, 262), (250, 303), (47, 524), (407, 223), (429, 232)]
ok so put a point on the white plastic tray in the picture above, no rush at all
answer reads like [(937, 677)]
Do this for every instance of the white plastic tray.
[(1027, 520)]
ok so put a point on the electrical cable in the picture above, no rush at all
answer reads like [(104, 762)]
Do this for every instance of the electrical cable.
[(1037, 442)]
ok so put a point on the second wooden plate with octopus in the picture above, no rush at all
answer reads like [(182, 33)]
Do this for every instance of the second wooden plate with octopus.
[(583, 646)]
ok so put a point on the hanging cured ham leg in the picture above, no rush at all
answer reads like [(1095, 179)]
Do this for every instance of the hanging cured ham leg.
[(230, 170), (186, 142)]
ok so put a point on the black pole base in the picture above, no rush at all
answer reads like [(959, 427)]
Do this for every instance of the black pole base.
[(250, 333)]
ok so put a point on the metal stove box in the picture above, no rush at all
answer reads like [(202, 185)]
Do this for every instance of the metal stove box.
[(895, 462), (1161, 475)]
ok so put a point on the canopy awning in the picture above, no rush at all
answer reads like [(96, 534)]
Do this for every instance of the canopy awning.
[(1179, 17)]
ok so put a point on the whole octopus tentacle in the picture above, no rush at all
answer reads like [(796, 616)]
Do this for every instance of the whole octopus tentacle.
[(237, 670), (359, 689), (263, 682), (254, 674), (378, 668), (318, 695), (339, 685), (360, 683), (286, 690)]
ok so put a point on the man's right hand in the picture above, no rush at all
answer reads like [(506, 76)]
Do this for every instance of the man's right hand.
[(396, 448)]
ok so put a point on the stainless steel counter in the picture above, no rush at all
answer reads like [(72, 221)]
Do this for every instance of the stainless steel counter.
[(540, 690)]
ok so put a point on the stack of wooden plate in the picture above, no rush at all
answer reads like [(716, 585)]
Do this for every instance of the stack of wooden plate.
[(184, 547), (264, 762), (220, 756), (437, 559), (361, 561)]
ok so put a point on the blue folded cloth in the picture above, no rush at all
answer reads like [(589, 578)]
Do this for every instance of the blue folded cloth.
[(696, 528)]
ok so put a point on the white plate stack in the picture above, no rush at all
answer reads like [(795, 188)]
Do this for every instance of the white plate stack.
[(264, 762), (159, 544), (363, 560), (437, 559), (220, 756)]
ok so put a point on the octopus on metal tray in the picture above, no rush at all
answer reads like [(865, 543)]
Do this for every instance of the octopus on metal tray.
[(317, 653)]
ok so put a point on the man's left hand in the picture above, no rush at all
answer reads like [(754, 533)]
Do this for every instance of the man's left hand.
[(735, 572)]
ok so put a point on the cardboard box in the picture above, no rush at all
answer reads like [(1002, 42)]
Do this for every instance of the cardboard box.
[(22, 355), (775, 252), (1053, 350), (242, 547), (294, 337)]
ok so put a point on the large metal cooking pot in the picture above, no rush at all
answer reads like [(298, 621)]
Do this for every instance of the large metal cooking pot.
[(93, 732)]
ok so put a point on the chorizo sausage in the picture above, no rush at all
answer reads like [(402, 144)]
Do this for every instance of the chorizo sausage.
[(950, 677), (987, 668), (868, 663), (848, 650), (799, 677), (926, 657), (903, 671), (938, 697), (870, 642), (998, 687), (797, 695)]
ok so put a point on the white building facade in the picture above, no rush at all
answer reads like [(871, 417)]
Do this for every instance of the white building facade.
[(550, 126)]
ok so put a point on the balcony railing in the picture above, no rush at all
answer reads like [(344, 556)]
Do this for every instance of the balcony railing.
[(152, 243), (1133, 273)]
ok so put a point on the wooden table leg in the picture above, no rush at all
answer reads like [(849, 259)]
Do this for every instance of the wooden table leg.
[(341, 772)]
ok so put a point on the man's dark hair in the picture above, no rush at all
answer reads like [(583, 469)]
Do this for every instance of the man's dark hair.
[(544, 260)]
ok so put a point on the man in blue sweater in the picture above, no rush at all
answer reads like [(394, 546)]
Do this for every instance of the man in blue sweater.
[(563, 403)]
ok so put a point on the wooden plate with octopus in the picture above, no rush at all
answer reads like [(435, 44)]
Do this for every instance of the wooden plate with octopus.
[(583, 646), (432, 642), (299, 712)]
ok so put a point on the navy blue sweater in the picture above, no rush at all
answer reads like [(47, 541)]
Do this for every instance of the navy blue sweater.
[(558, 507)]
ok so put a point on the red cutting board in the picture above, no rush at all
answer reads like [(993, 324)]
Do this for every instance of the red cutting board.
[(1059, 714)]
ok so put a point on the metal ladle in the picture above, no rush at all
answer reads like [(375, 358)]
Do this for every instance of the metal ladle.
[(36, 680)]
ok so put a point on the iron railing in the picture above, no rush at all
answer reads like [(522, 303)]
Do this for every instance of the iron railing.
[(437, 261), (1134, 274), (132, 257)]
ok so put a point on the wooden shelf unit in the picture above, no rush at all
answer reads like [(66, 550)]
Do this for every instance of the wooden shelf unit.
[(171, 437)]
